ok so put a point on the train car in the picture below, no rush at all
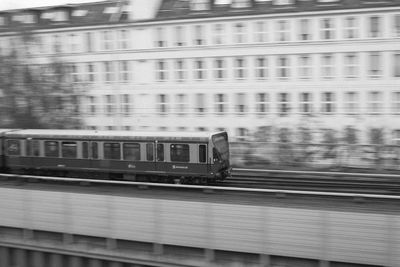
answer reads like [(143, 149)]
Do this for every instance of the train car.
[(2, 155), (188, 157)]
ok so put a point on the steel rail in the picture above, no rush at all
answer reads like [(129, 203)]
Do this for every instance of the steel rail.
[(320, 173), (205, 188)]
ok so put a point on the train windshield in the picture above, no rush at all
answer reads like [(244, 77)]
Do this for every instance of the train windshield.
[(220, 142)]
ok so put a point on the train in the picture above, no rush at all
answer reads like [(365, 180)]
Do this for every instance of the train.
[(169, 157)]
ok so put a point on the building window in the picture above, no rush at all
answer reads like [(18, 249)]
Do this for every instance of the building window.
[(162, 104), (305, 30), (200, 104), (327, 29), (110, 105), (396, 102), (107, 40), (241, 106), (239, 68), (283, 67), (350, 27), (242, 134), (328, 103), (374, 26), (199, 5), (261, 68), (283, 104), (180, 67), (396, 137), (350, 65), (92, 107), (199, 36), (219, 34), (199, 69), (179, 36), (161, 71), (239, 34), (396, 65), (160, 37), (91, 72), (123, 39), (74, 42), (181, 101), (75, 72), (261, 31), (219, 69), (374, 67), (262, 104), (124, 71), (282, 31), (221, 103), (109, 71), (305, 67), (351, 102), (396, 25), (305, 103), (89, 42), (60, 15), (57, 43), (375, 102), (327, 66), (125, 104)]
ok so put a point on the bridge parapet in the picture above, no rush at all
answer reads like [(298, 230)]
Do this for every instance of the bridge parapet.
[(209, 227)]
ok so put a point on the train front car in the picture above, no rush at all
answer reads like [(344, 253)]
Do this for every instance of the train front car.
[(220, 167)]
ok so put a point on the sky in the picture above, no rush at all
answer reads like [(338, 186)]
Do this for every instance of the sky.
[(16, 4)]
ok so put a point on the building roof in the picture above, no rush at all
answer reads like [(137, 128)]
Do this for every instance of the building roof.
[(186, 9), (85, 14), (117, 11)]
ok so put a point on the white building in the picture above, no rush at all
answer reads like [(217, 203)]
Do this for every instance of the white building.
[(239, 65)]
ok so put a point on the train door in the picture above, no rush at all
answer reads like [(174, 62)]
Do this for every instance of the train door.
[(33, 153), (150, 157), (160, 157), (205, 168), (93, 155)]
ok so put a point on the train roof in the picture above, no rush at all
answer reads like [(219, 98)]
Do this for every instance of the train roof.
[(2, 131), (109, 135)]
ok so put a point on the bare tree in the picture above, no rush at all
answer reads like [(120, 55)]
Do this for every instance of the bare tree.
[(37, 96)]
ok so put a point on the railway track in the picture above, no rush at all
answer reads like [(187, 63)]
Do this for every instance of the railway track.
[(362, 183), (316, 181)]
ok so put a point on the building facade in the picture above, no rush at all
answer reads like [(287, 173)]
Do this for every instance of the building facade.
[(253, 67)]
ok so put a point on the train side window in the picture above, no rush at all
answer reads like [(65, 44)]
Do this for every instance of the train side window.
[(95, 150), (85, 150), (179, 152), (33, 148), (202, 153), (160, 152), (13, 147), (112, 151), (149, 152), (131, 151), (51, 149), (69, 149)]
